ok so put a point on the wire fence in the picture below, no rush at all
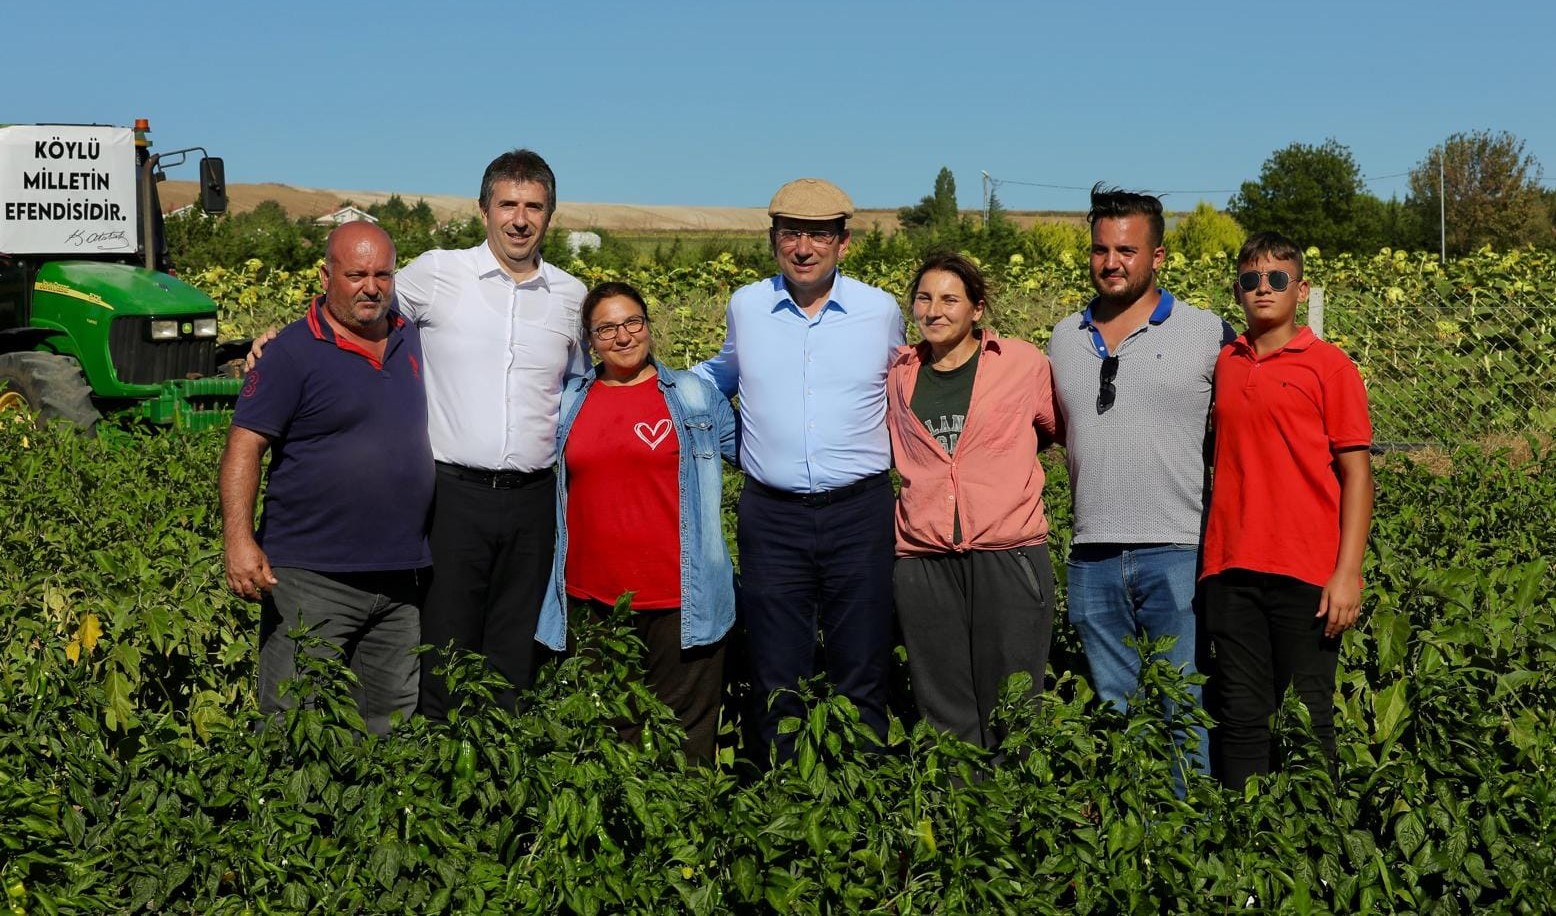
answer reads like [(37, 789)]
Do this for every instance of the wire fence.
[(1448, 370), (1442, 370)]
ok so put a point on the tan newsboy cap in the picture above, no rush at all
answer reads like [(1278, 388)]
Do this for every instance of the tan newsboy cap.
[(811, 198)]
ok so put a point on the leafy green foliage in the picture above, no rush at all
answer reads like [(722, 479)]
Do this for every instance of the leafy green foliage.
[(136, 773), (415, 228), (1054, 242), (1407, 320), (1205, 233), (266, 233)]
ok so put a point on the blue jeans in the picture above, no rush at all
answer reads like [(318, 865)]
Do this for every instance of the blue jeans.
[(1146, 591)]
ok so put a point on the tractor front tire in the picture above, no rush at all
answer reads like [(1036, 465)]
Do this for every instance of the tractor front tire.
[(48, 386)]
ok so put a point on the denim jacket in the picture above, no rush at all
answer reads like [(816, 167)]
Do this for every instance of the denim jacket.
[(704, 424)]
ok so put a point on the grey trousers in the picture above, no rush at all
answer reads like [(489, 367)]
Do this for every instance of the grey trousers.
[(970, 620), (372, 618)]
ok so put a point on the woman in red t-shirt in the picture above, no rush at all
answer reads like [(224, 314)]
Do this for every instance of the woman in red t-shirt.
[(638, 443)]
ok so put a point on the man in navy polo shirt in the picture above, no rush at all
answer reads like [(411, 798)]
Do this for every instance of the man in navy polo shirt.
[(338, 401)]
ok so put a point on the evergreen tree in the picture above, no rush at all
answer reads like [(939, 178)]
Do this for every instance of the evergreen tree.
[(937, 212)]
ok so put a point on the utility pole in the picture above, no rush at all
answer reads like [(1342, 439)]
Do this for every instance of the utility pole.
[(1442, 207), (986, 182)]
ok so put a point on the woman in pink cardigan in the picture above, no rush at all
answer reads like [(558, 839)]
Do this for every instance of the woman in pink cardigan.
[(968, 412)]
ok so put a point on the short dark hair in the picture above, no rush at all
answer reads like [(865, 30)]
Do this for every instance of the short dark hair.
[(608, 290), (1116, 203), (1270, 245), (519, 165), (963, 267)]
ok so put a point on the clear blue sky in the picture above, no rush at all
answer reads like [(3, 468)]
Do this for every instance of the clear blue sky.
[(705, 103)]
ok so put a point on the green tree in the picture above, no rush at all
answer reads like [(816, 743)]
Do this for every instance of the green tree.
[(411, 227), (1315, 195), (873, 248), (938, 211), (1492, 191), (460, 233), (1205, 231), (1549, 240), (197, 241), (268, 233), (1050, 239), (1400, 227)]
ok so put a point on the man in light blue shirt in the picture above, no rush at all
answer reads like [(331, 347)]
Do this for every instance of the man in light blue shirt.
[(816, 524)]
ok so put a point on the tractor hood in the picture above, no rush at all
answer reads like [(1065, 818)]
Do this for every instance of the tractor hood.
[(118, 289)]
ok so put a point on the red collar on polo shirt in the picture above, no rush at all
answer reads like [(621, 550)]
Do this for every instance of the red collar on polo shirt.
[(322, 330), (1305, 338)]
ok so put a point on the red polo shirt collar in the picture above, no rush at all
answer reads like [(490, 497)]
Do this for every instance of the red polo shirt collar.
[(1305, 338), (322, 330)]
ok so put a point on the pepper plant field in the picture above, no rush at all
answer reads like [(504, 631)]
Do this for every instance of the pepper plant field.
[(134, 776)]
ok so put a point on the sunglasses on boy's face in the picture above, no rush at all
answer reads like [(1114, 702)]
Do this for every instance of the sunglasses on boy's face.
[(1249, 280)]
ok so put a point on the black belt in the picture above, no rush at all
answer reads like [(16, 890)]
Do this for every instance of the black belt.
[(825, 497), (495, 480)]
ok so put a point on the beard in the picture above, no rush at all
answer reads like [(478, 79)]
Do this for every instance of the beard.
[(1134, 288)]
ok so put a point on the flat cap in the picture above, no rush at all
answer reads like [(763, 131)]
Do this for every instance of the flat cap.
[(811, 198)]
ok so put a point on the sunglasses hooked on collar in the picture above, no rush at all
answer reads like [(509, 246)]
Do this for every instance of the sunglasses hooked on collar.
[(1106, 393), (1248, 280)]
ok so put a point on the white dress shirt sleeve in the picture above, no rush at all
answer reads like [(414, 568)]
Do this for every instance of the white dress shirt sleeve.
[(414, 287)]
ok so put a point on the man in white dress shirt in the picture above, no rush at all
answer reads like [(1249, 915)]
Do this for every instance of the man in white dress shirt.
[(500, 332)]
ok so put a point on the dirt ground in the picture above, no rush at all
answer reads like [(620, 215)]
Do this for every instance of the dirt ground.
[(570, 215)]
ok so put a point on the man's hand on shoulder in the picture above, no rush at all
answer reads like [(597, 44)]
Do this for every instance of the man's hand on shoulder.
[(257, 348), (248, 569)]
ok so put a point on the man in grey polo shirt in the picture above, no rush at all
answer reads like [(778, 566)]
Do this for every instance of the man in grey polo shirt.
[(1133, 377)]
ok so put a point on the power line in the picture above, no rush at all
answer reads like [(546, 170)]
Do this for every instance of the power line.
[(1071, 187), (996, 183), (1039, 184)]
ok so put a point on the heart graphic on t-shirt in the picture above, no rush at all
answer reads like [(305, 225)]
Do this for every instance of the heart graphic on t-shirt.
[(653, 435)]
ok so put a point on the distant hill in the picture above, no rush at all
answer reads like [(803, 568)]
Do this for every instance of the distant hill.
[(570, 215)]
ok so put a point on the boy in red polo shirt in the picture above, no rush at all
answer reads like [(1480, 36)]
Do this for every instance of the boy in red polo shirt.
[(1290, 507)]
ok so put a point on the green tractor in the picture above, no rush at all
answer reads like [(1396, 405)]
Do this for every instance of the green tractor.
[(92, 322)]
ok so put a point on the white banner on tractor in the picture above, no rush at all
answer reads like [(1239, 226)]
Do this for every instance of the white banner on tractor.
[(67, 189)]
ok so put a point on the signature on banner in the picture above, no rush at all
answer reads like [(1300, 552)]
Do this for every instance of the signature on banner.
[(102, 241)]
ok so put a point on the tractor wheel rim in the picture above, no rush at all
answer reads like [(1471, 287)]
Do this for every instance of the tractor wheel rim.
[(12, 400)]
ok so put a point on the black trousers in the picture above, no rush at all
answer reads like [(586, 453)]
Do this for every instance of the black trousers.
[(804, 567), (491, 559), (971, 620), (1266, 636)]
